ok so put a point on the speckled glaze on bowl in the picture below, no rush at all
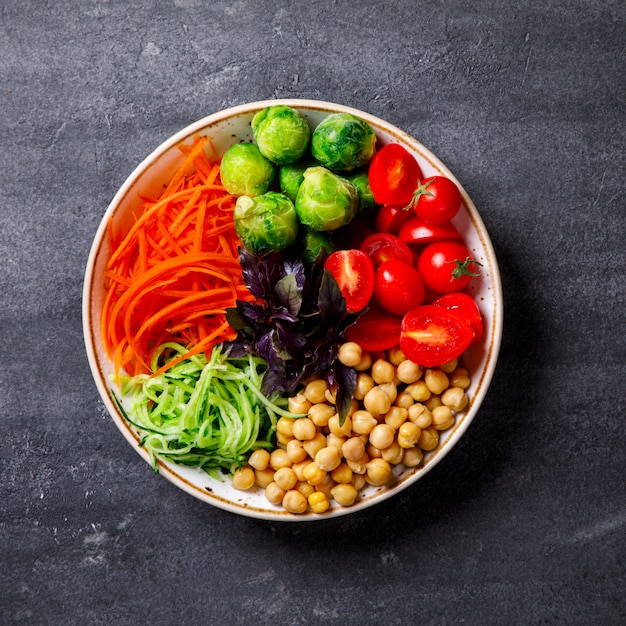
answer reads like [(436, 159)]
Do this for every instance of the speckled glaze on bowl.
[(226, 128)]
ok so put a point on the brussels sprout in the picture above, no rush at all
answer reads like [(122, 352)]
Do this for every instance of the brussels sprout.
[(367, 204), (314, 241), (282, 134), (326, 201), (290, 177), (244, 171), (266, 223), (343, 141)]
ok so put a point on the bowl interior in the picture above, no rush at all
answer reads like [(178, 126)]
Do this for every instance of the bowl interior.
[(226, 128)]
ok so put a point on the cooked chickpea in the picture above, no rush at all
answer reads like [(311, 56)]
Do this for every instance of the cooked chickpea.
[(404, 400), (319, 414), (326, 485), (259, 459), (342, 473), (442, 417), (383, 372), (299, 404), (409, 434), (304, 429), (363, 422), (353, 449), (284, 426), (358, 480), (279, 458), (298, 468), (396, 416), (331, 396), (395, 356), (382, 435), (460, 378), (359, 466), (412, 457), (304, 488), (376, 401), (408, 372), (350, 353), (433, 402), (282, 439), (295, 451), (263, 477), (313, 446), (436, 380), (450, 366), (274, 493), (390, 389), (243, 478), (392, 453), (285, 478), (328, 458), (344, 494), (364, 383), (365, 363), (420, 415), (455, 398), (318, 502), (378, 472), (315, 391), (418, 391), (295, 502), (313, 474), (341, 431), (372, 451), (429, 439), (334, 440)]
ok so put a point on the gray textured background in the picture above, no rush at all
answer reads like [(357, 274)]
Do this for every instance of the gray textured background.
[(524, 522)]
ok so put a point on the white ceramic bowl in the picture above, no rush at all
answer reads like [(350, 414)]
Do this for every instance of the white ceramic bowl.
[(228, 127)]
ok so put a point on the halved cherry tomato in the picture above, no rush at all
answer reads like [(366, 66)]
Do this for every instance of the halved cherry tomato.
[(446, 266), (465, 307), (393, 175), (375, 330), (416, 230), (437, 200), (398, 287), (431, 335), (354, 272), (381, 247), (390, 218)]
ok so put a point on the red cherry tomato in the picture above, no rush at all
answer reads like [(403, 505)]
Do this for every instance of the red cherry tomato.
[(446, 266), (431, 335), (390, 218), (375, 330), (416, 230), (354, 272), (398, 287), (393, 175), (465, 307), (437, 200), (382, 247)]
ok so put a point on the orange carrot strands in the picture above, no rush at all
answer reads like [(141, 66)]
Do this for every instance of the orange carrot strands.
[(176, 270)]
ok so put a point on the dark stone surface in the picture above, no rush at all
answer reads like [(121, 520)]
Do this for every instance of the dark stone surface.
[(523, 523)]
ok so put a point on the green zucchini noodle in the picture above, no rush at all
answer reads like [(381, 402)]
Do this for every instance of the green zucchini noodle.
[(210, 415)]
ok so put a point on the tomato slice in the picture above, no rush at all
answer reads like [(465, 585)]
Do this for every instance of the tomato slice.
[(390, 218), (465, 307), (381, 247), (375, 331), (432, 335), (354, 272), (416, 230), (394, 175)]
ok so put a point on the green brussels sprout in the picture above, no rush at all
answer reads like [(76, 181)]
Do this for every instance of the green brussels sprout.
[(290, 177), (244, 171), (266, 223), (326, 201), (343, 141), (314, 241), (367, 204), (282, 134)]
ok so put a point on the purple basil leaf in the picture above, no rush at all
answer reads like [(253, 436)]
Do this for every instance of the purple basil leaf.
[(345, 379), (283, 315), (234, 318), (289, 294), (295, 268), (332, 305)]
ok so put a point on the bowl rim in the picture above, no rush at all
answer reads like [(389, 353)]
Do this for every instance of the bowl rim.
[(167, 469)]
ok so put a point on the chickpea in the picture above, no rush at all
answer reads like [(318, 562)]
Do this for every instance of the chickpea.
[(372, 451), (279, 458), (420, 415), (299, 404), (450, 366), (274, 493), (350, 354), (460, 378), (335, 441), (396, 416), (243, 478), (313, 474), (442, 417), (363, 422), (364, 383), (455, 398), (259, 459), (433, 402), (429, 439), (391, 390), (319, 414), (283, 440), (315, 391), (382, 435), (344, 494), (341, 431), (304, 429), (295, 502), (376, 401), (382, 372), (312, 446), (418, 391), (295, 451), (304, 488), (358, 480), (360, 466), (403, 400), (328, 458), (392, 453), (326, 485), (408, 372), (331, 396), (409, 434), (412, 457), (298, 468), (436, 380), (318, 502), (395, 356), (353, 449), (264, 477), (342, 473), (378, 472), (365, 363), (284, 426), (285, 478)]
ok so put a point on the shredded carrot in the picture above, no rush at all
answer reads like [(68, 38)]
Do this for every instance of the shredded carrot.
[(172, 276)]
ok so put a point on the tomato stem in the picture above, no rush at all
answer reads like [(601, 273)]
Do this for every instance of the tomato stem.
[(462, 268), (422, 190)]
